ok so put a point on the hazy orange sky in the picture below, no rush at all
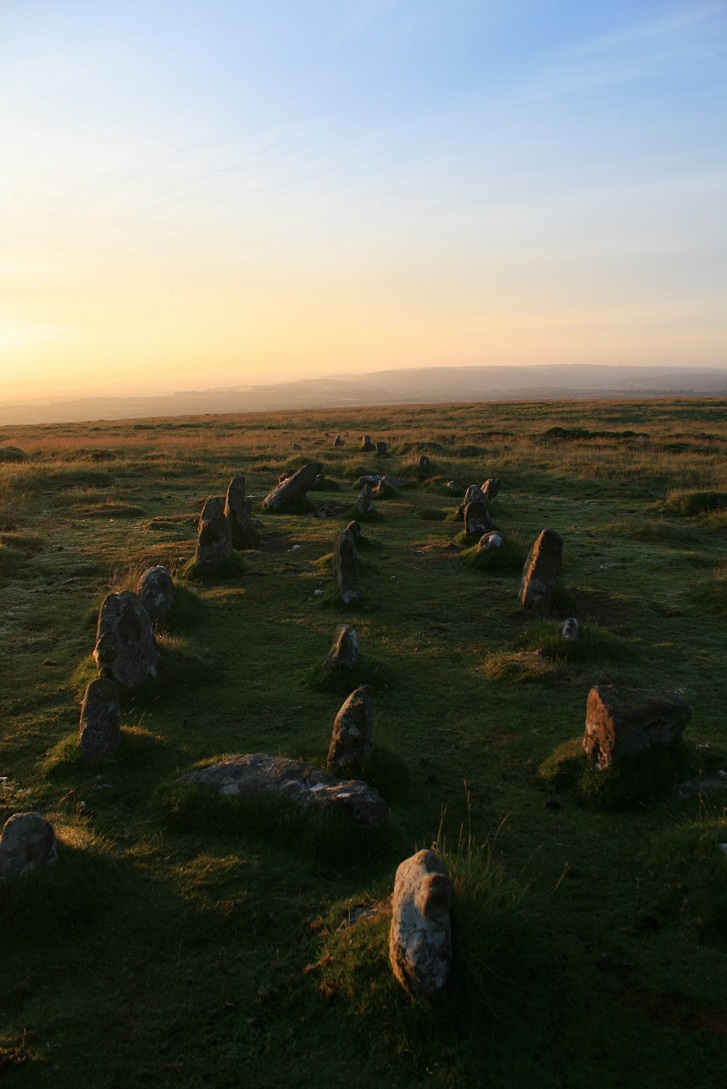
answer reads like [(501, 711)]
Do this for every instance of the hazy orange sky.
[(207, 194)]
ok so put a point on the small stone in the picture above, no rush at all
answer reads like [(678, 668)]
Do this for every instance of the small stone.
[(27, 843), (155, 591), (99, 731), (338, 441), (381, 449), (352, 741), (420, 936), (571, 630), (344, 652), (365, 501), (367, 444), (214, 541), (489, 540), (423, 461)]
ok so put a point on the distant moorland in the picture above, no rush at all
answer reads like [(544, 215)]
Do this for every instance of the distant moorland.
[(180, 943)]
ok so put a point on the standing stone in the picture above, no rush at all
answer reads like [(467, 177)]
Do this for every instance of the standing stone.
[(420, 937), (477, 519), (423, 461), (571, 630), (491, 487), (354, 529), (214, 542), (381, 448), (367, 444), (155, 590), (126, 650), (352, 740), (474, 494), (338, 441), (621, 723), (344, 652), (365, 501), (345, 567), (238, 512), (99, 731), (541, 570), (27, 843), (294, 487)]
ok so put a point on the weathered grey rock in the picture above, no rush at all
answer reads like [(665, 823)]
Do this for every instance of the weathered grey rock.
[(238, 512), (344, 652), (352, 741), (491, 487), (420, 937), (294, 487), (365, 501), (155, 591), (701, 788), (306, 785), (571, 630), (126, 650), (338, 441), (453, 487), (622, 723), (367, 444), (423, 461), (354, 529), (381, 448), (540, 573), (27, 843), (99, 731), (474, 494), (345, 566), (214, 542), (490, 540), (477, 518)]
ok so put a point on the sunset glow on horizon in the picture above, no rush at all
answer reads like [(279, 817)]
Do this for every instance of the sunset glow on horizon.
[(200, 195)]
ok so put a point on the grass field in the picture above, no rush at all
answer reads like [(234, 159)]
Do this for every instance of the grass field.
[(180, 943)]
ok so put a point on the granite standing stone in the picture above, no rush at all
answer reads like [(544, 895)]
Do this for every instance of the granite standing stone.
[(27, 843), (99, 731), (477, 519), (622, 723), (306, 785), (352, 741), (571, 630), (381, 448), (491, 487), (155, 591), (354, 529), (345, 567), (344, 652), (238, 512), (214, 541), (540, 573), (294, 487), (126, 650), (420, 937), (367, 444)]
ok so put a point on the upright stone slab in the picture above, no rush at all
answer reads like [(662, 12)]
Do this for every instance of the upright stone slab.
[(344, 652), (352, 741), (294, 488), (345, 567), (27, 843), (155, 591), (540, 573), (338, 441), (381, 448), (99, 731), (214, 541), (307, 786), (622, 723), (365, 501), (420, 937), (238, 512), (126, 650), (571, 630), (354, 529), (477, 519), (367, 444), (423, 461), (491, 487)]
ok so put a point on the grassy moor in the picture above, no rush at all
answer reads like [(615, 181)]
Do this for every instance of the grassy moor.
[(185, 939)]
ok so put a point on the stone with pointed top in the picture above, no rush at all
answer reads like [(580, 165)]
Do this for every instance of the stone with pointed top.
[(345, 567), (420, 936), (344, 652), (352, 740), (540, 573)]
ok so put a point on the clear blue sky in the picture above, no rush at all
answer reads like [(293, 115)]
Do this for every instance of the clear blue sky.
[(208, 193)]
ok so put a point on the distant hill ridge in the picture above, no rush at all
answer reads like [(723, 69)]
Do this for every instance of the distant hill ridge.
[(391, 387)]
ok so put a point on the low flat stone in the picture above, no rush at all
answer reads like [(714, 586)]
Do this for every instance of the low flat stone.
[(27, 843), (155, 591), (420, 936), (344, 652), (294, 487), (126, 650), (306, 785), (214, 542), (540, 573), (99, 731), (622, 723), (352, 741)]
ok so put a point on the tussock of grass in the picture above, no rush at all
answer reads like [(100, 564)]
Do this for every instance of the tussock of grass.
[(710, 595), (276, 820), (594, 644), (508, 559), (343, 681), (512, 667), (231, 568), (651, 529), (691, 503), (650, 777), (138, 747)]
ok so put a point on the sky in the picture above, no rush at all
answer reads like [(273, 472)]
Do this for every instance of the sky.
[(202, 193)]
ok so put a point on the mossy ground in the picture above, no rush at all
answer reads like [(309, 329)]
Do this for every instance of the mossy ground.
[(184, 942)]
